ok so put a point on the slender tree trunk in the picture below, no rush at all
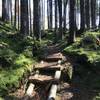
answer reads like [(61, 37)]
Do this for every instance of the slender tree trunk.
[(16, 11), (11, 16), (4, 10), (82, 12), (60, 35), (8, 10), (72, 22), (56, 15), (93, 14), (65, 5), (37, 25), (48, 16), (87, 9), (50, 11), (43, 14), (56, 9), (30, 18), (24, 18), (99, 14), (18, 16)]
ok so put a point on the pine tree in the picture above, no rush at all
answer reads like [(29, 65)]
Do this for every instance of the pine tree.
[(24, 29), (36, 19), (72, 22)]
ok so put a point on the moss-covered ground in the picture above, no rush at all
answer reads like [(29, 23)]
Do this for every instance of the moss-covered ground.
[(86, 52), (15, 58)]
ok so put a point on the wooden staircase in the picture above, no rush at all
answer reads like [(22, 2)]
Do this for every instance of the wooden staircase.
[(48, 72)]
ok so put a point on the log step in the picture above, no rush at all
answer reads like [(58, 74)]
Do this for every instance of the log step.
[(40, 79), (44, 64), (49, 68), (53, 90), (30, 90), (54, 57)]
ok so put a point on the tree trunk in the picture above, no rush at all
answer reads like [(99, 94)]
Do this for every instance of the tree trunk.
[(82, 12), (11, 16), (93, 14), (16, 13), (24, 29), (87, 9), (60, 35), (30, 23), (65, 5), (99, 14), (72, 22), (56, 9), (4, 10), (50, 10), (18, 16), (37, 18), (48, 16)]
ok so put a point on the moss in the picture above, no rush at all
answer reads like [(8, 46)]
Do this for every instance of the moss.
[(15, 58), (92, 55)]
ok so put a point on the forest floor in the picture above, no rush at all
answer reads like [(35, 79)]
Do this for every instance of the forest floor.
[(84, 84), (75, 89)]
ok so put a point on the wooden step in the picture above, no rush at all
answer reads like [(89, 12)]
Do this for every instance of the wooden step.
[(40, 79), (53, 57), (53, 90), (46, 64), (48, 68)]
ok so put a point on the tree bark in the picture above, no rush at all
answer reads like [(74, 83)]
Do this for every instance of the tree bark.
[(65, 5), (72, 22), (24, 29), (60, 35), (37, 19), (99, 14), (16, 13), (82, 12), (30, 23), (87, 10), (93, 14), (4, 10), (50, 9), (56, 21)]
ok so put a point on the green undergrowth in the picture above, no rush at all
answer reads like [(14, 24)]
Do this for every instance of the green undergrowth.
[(86, 54), (15, 58), (88, 48)]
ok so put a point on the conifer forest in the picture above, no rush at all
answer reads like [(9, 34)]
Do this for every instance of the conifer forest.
[(49, 49)]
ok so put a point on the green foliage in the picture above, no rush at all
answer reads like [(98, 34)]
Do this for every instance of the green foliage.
[(90, 58), (82, 48), (86, 51), (90, 39), (15, 58)]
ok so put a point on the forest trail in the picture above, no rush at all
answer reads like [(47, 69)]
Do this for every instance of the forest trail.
[(51, 72)]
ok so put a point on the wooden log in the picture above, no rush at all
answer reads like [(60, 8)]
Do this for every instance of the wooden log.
[(49, 68), (40, 79), (31, 86), (54, 57), (43, 64), (30, 90), (53, 90), (57, 75)]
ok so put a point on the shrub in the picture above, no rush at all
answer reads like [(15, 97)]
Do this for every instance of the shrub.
[(89, 40)]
